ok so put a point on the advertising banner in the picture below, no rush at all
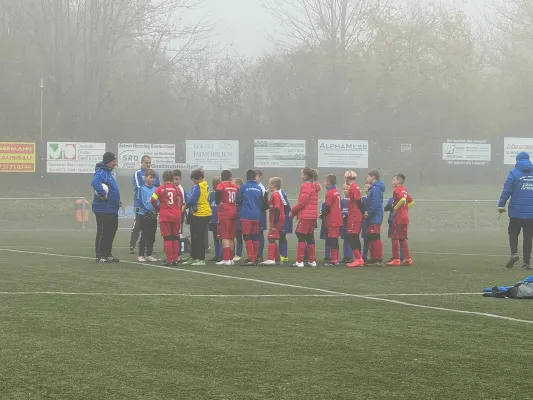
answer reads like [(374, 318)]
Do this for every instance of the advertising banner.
[(17, 157), (343, 153), (512, 146), (279, 153), (214, 155), (73, 157), (466, 152), (130, 154)]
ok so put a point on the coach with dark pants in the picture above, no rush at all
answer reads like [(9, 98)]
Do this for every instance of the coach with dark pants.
[(106, 202), (519, 187)]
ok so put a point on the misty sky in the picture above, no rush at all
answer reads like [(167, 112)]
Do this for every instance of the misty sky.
[(245, 25)]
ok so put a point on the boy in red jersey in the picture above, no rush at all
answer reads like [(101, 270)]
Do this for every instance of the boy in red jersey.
[(276, 216), (306, 209), (225, 197), (169, 207), (356, 210), (401, 202), (332, 213)]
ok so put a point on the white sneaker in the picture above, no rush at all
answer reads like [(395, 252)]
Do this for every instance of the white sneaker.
[(151, 259), (312, 264), (268, 262), (298, 264), (236, 259), (231, 262), (223, 262), (141, 259)]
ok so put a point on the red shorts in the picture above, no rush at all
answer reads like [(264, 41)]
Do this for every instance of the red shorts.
[(306, 226), (373, 229), (249, 227), (334, 232), (227, 229), (399, 232), (170, 228), (353, 227), (274, 233)]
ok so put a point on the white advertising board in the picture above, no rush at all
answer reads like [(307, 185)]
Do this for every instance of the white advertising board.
[(130, 154), (73, 157), (512, 146), (343, 153), (279, 153), (466, 152), (214, 155)]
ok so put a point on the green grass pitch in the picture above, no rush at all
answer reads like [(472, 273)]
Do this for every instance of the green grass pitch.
[(72, 329)]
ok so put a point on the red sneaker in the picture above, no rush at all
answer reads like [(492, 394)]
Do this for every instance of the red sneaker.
[(356, 263), (395, 261), (408, 262)]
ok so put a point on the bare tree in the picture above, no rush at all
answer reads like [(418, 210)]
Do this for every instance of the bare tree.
[(335, 26)]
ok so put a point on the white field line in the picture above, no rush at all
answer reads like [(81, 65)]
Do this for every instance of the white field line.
[(358, 296), (221, 295), (317, 250)]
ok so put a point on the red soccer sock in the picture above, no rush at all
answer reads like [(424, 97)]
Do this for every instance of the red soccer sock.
[(250, 250), (396, 249), (311, 252), (357, 254), (405, 248), (300, 252), (176, 249), (335, 256), (169, 250), (226, 254), (272, 249)]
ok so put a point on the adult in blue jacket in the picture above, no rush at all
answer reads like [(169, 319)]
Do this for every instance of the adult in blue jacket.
[(519, 188), (106, 203), (138, 183), (374, 216)]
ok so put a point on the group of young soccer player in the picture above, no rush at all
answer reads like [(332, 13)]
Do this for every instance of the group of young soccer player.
[(239, 218)]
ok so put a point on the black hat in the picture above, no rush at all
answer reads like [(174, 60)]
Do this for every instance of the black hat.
[(108, 157)]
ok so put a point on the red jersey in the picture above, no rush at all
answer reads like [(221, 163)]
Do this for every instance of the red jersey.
[(170, 202), (333, 201), (354, 213), (227, 208), (401, 215), (276, 203)]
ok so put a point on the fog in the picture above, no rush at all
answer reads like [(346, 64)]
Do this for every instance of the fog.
[(440, 91)]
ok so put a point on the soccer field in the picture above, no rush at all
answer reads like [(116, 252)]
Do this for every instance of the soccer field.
[(73, 329)]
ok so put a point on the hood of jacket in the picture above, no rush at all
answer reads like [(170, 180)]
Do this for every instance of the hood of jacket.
[(379, 184), (522, 162)]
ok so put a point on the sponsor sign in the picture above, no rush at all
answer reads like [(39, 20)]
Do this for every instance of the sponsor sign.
[(405, 147), (73, 157), (130, 154), (180, 166), (466, 152), (276, 153), (214, 155), (343, 153), (512, 146), (17, 157)]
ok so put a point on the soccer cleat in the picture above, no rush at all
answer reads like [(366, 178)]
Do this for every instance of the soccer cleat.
[(151, 259), (236, 259), (189, 261), (526, 266), (222, 262), (298, 264), (284, 259), (312, 264), (512, 260), (331, 264), (198, 263), (407, 262), (268, 262), (141, 259), (356, 263), (394, 262), (132, 250), (113, 259)]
